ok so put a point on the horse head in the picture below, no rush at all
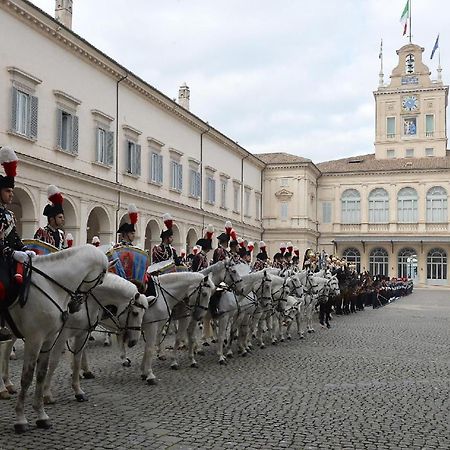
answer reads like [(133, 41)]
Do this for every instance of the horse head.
[(263, 290), (134, 314), (232, 277)]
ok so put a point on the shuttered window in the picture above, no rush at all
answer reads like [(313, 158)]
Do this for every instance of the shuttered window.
[(176, 175), (105, 146), (133, 158), (67, 129), (24, 113), (211, 190), (156, 168), (194, 189)]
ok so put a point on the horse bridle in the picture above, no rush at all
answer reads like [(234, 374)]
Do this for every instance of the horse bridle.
[(233, 284), (261, 286)]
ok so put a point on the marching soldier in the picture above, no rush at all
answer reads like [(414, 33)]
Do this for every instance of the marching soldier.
[(52, 233)]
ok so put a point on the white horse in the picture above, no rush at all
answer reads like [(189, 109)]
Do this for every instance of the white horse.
[(192, 288), (58, 281), (221, 272), (120, 302), (236, 309)]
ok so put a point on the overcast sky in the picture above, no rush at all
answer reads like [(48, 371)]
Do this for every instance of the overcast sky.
[(275, 75)]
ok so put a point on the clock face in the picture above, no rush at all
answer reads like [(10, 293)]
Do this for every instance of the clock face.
[(410, 103)]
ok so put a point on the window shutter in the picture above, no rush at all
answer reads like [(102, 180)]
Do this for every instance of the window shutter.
[(128, 146), (110, 148), (75, 135), (59, 115), (180, 177), (33, 125), (98, 153), (160, 168), (138, 159), (14, 110)]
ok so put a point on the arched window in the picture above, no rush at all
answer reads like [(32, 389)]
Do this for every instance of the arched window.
[(351, 206), (407, 263), (378, 206), (407, 205), (437, 264), (437, 205), (378, 262), (353, 256)]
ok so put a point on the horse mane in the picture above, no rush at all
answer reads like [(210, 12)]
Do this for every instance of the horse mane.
[(115, 282), (171, 276), (64, 254)]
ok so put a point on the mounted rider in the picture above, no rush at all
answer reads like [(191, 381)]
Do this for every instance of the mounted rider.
[(200, 260), (221, 252), (127, 231), (165, 251), (52, 233), (12, 251), (261, 258)]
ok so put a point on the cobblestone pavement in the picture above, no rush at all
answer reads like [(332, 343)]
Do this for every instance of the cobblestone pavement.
[(379, 379)]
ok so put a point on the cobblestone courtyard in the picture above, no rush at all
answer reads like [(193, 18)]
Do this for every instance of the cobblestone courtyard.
[(378, 379)]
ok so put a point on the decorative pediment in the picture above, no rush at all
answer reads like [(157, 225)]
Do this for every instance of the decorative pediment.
[(284, 194)]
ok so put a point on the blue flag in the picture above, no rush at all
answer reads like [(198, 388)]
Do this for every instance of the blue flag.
[(436, 46)]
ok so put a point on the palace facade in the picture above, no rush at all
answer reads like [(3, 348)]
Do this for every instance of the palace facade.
[(107, 138)]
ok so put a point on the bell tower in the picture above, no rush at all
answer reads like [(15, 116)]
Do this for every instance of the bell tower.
[(410, 111)]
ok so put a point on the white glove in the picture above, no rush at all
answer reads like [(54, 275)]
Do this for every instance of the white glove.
[(30, 253), (20, 256)]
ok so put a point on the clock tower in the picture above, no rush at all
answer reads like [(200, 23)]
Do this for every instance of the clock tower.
[(410, 117)]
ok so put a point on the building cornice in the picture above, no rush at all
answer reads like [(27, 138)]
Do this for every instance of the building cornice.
[(384, 172), (411, 90), (25, 11)]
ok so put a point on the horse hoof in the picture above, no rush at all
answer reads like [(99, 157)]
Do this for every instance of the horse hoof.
[(127, 363), (21, 427), (11, 389), (45, 424), (88, 375), (200, 352), (289, 338), (5, 395), (152, 382), (194, 365), (244, 354), (48, 400), (310, 331), (174, 366), (222, 362), (162, 357), (274, 343), (143, 377), (205, 344), (81, 398), (262, 346), (282, 340)]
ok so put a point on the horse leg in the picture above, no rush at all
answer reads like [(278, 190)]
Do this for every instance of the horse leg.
[(151, 333), (87, 373), (207, 333), (179, 341), (43, 421), (77, 357), (4, 394), (55, 357), (222, 329), (191, 338), (30, 356), (4, 374)]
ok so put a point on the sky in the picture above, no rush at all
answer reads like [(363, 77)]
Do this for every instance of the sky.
[(293, 76)]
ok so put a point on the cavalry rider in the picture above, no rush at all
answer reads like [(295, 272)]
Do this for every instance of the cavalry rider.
[(11, 246), (261, 258), (221, 252), (127, 231), (200, 260), (52, 233), (165, 251), (96, 241)]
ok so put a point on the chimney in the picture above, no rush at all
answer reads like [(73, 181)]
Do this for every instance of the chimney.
[(63, 12), (184, 94)]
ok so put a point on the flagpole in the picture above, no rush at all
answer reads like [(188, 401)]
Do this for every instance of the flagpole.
[(410, 29)]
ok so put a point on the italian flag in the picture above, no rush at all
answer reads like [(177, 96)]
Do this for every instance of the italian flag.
[(405, 16)]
